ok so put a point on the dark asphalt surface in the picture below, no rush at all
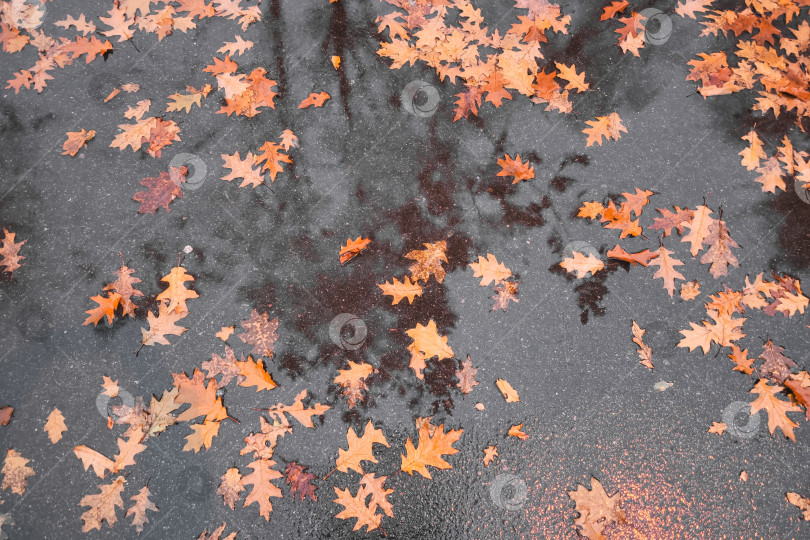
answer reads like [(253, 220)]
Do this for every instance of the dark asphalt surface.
[(367, 167)]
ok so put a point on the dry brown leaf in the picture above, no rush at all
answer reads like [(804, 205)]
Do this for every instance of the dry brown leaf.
[(55, 426), (102, 505), (359, 449), (15, 472), (139, 509), (231, 487), (76, 140)]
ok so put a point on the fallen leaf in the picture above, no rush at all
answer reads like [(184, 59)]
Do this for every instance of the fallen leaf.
[(718, 427), (76, 140), (139, 509), (352, 249), (517, 431), (429, 450), (15, 472), (596, 509), (509, 393), (102, 505), (314, 100), (466, 376), (55, 426), (490, 453)]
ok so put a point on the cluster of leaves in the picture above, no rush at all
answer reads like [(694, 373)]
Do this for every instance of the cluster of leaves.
[(769, 59), (497, 274), (451, 37), (171, 303), (20, 21), (270, 156)]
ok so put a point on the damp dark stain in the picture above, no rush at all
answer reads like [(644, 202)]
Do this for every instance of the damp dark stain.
[(591, 291), (437, 179), (579, 159), (339, 35), (560, 183), (794, 232), (278, 45)]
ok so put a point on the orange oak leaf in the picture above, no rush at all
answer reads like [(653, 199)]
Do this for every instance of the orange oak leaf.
[(614, 8), (429, 450), (184, 102), (353, 248), (776, 408), (417, 361), (371, 495), (124, 286), (799, 385), (399, 290), (139, 509), (9, 251), (582, 265), (216, 534), (723, 331), (509, 393), (741, 359), (76, 140), (55, 426), (752, 155), (466, 376), (699, 227), (666, 268), (162, 325), (609, 127), (236, 47), (596, 509), (802, 503), (225, 333), (273, 158), (202, 435), (644, 351), (426, 340), (262, 479), (176, 292), (314, 100), (263, 443), (719, 252), (231, 487), (202, 398), (490, 454), (260, 332), (359, 449), (517, 431), (245, 169), (102, 505), (591, 210), (106, 308), (690, 290), (515, 168), (428, 261), (490, 270), (15, 472), (298, 411), (90, 458), (718, 428), (352, 381), (253, 374), (641, 257)]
